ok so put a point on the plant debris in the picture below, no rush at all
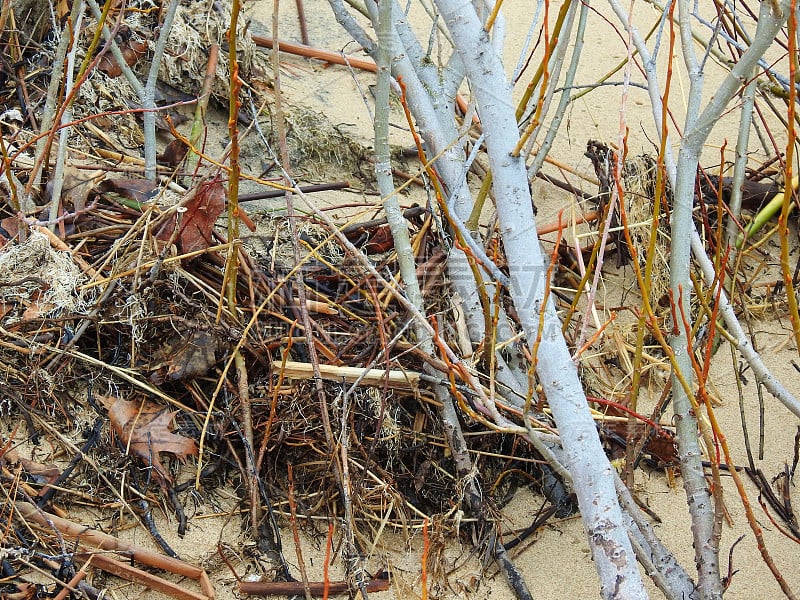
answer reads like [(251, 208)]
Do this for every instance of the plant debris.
[(153, 358)]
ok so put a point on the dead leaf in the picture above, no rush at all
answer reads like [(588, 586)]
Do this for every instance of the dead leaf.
[(201, 215), (9, 227), (173, 154), (138, 191), (5, 308), (186, 357), (38, 306), (132, 46), (62, 9), (380, 241), (35, 311), (77, 185), (42, 474), (372, 238), (145, 429), (25, 591), (197, 223)]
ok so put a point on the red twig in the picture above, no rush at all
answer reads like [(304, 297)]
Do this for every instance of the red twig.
[(292, 588), (632, 413)]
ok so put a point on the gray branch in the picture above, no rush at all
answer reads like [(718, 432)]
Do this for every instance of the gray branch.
[(591, 472)]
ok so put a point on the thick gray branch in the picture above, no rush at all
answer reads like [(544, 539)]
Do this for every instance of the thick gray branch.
[(590, 469)]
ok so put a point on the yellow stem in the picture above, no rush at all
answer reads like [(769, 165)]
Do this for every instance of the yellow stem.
[(783, 220)]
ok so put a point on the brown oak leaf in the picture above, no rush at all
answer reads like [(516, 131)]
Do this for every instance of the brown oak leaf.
[(145, 429)]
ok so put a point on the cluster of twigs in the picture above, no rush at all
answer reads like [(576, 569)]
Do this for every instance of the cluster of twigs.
[(329, 377), (156, 328), (123, 319)]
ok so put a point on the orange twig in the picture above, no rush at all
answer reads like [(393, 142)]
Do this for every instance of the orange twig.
[(73, 583), (292, 588), (594, 337), (126, 571), (426, 546), (317, 53), (551, 227), (721, 441), (774, 522)]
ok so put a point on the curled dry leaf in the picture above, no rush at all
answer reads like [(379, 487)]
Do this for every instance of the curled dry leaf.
[(77, 186), (9, 229), (132, 192), (145, 429), (41, 473), (186, 356), (173, 154), (197, 223), (37, 305), (133, 46)]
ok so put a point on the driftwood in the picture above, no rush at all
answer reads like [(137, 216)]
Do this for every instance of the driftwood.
[(406, 380), (104, 541), (130, 573)]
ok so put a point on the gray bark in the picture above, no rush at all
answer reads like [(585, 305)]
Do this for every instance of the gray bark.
[(591, 472), (686, 243)]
